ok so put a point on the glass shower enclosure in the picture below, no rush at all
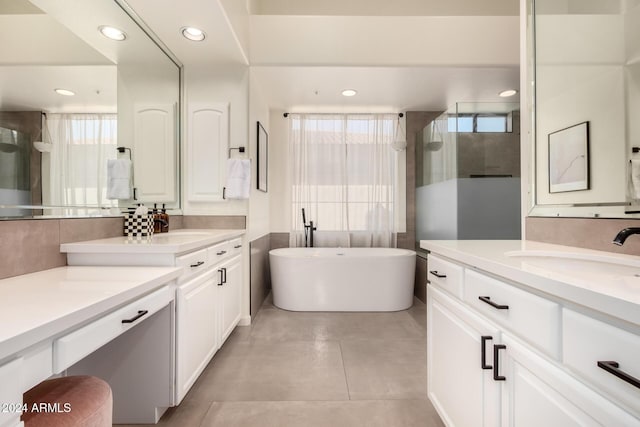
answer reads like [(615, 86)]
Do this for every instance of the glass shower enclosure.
[(468, 174)]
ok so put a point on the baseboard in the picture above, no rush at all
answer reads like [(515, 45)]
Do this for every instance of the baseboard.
[(244, 321)]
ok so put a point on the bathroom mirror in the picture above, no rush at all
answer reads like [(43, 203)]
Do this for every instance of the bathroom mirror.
[(54, 145), (587, 69)]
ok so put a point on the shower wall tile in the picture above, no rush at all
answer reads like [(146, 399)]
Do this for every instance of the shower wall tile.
[(233, 222), (590, 233), (420, 288), (279, 240), (27, 246)]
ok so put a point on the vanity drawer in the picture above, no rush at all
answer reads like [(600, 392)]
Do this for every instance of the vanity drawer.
[(74, 346), (533, 318), (193, 263), (219, 252), (445, 275), (37, 365), (587, 341), (235, 247)]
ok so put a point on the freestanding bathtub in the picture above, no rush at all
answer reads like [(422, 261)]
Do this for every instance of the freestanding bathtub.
[(342, 279)]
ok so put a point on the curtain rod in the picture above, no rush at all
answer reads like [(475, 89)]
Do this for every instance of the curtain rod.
[(332, 114)]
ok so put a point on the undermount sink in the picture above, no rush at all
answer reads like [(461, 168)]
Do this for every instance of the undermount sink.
[(580, 263)]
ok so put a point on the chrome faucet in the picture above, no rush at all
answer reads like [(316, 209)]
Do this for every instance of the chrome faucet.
[(623, 234)]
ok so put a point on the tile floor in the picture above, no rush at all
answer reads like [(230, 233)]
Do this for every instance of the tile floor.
[(315, 369)]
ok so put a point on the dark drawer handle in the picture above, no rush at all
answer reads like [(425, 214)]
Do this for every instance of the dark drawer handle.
[(493, 304), (136, 317), (221, 253), (435, 273), (483, 351), (221, 277), (237, 246), (496, 362), (613, 368), (197, 264)]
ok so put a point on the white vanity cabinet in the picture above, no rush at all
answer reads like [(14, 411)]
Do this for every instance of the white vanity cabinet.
[(208, 292), (501, 353)]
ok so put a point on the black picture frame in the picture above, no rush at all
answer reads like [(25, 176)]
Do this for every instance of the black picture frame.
[(569, 159), (262, 174)]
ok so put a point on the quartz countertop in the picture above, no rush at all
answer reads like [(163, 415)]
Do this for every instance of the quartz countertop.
[(173, 242), (604, 288), (39, 305)]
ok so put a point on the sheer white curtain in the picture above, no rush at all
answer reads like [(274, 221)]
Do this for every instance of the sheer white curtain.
[(82, 144), (344, 177)]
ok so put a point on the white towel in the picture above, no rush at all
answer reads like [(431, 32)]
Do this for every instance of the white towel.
[(238, 179), (119, 179), (635, 178)]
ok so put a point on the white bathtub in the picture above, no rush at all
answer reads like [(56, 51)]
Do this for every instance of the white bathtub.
[(342, 279)]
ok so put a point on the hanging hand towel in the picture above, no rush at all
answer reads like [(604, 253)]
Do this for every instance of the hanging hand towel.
[(635, 178), (119, 179), (238, 179)]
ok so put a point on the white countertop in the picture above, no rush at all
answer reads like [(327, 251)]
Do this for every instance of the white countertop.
[(615, 295), (40, 305), (173, 242)]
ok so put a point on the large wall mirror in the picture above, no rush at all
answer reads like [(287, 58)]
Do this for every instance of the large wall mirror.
[(70, 96), (587, 107)]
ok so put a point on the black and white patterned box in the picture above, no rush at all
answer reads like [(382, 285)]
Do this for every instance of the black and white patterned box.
[(138, 225)]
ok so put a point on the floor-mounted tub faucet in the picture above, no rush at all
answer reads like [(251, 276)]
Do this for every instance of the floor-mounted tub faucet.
[(308, 231), (624, 233)]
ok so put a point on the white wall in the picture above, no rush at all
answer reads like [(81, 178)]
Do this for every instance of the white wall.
[(258, 220), (279, 173), (224, 84), (384, 41)]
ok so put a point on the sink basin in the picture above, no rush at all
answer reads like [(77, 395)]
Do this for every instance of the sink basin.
[(579, 263)]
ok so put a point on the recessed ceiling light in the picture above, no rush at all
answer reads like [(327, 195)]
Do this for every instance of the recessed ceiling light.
[(192, 33), (349, 92), (507, 93), (65, 92), (112, 33)]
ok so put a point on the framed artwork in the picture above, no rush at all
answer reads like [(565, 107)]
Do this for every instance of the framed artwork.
[(569, 159), (263, 158)]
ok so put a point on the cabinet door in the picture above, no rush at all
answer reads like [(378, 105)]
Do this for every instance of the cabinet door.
[(462, 391), (537, 393), (231, 297), (207, 145), (154, 153), (197, 333)]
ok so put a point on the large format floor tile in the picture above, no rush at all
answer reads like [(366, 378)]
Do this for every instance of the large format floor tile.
[(282, 371), (398, 413), (383, 369)]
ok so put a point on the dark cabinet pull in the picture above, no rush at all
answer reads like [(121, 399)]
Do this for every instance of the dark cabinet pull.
[(221, 281), (483, 351), (613, 368), (221, 253), (197, 264), (496, 362), (224, 275), (493, 304), (136, 317), (435, 273), (237, 246)]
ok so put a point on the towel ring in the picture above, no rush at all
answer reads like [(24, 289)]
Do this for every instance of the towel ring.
[(122, 149), (240, 149)]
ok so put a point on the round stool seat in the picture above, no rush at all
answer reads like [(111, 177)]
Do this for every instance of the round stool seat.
[(69, 402)]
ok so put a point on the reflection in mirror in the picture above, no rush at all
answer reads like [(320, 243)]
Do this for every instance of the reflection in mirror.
[(587, 69), (55, 148)]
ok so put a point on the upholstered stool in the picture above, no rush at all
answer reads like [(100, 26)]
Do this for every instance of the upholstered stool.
[(80, 401)]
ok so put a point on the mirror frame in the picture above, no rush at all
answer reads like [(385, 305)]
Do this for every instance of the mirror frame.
[(529, 106), (99, 212)]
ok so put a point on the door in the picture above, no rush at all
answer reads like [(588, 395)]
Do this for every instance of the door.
[(231, 299), (197, 334), (460, 381)]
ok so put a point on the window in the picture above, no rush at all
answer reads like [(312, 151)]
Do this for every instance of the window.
[(479, 123), (343, 171)]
